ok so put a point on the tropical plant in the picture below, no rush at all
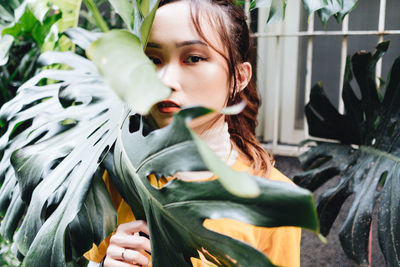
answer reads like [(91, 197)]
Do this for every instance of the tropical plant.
[(28, 28), (367, 157), (58, 164), (58, 137)]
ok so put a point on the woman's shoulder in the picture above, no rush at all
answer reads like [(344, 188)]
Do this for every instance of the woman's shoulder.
[(274, 174)]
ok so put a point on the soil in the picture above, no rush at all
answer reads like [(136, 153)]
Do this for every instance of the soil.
[(313, 251)]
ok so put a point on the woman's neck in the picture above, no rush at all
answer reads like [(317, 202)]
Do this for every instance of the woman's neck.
[(218, 139)]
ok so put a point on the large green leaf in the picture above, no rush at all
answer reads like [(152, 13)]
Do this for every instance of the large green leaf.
[(176, 212), (138, 83), (56, 136), (96, 219), (367, 159)]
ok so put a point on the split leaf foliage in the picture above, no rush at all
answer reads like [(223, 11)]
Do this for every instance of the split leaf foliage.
[(175, 213), (367, 159), (54, 147), (56, 136)]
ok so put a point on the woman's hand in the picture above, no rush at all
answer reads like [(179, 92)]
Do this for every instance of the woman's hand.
[(126, 246)]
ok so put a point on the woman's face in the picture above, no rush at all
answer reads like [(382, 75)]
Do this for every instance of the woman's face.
[(196, 73)]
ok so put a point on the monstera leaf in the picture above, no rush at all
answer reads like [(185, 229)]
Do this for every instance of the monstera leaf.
[(56, 136), (175, 213), (367, 157), (54, 143)]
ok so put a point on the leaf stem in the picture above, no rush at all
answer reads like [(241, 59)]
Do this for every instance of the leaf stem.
[(100, 22)]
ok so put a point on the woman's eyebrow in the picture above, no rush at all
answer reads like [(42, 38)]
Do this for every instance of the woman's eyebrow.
[(153, 45), (191, 42), (180, 44)]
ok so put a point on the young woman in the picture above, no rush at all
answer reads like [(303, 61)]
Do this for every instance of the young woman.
[(201, 49)]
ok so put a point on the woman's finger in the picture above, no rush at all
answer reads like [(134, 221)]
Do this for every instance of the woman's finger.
[(115, 252), (136, 257), (133, 227), (131, 241), (108, 262), (126, 255)]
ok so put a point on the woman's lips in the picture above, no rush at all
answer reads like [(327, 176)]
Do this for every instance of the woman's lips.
[(168, 106)]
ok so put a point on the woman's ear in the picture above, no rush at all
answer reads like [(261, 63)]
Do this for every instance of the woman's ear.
[(243, 76)]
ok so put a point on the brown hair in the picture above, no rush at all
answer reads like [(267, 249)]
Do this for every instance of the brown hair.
[(231, 26)]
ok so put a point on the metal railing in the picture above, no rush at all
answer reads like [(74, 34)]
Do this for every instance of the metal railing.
[(274, 141)]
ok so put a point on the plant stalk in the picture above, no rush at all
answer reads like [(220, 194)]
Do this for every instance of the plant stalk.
[(100, 22)]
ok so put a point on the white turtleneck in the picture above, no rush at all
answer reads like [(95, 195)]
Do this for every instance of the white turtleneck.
[(218, 139)]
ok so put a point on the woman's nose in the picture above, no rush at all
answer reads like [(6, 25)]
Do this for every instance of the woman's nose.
[(169, 75)]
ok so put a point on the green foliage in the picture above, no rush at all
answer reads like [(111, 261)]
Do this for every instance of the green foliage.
[(28, 27), (328, 8), (176, 212), (68, 127), (337, 8), (57, 154), (126, 10), (277, 8), (35, 26), (324, 8), (367, 157), (57, 137), (121, 49), (7, 257), (138, 16)]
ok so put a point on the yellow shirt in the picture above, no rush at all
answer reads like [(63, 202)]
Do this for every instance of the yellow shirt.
[(280, 244)]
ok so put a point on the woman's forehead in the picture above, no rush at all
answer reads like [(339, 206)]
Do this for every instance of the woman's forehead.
[(173, 22)]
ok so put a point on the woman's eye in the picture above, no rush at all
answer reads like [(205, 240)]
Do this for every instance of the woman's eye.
[(155, 60), (194, 59)]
